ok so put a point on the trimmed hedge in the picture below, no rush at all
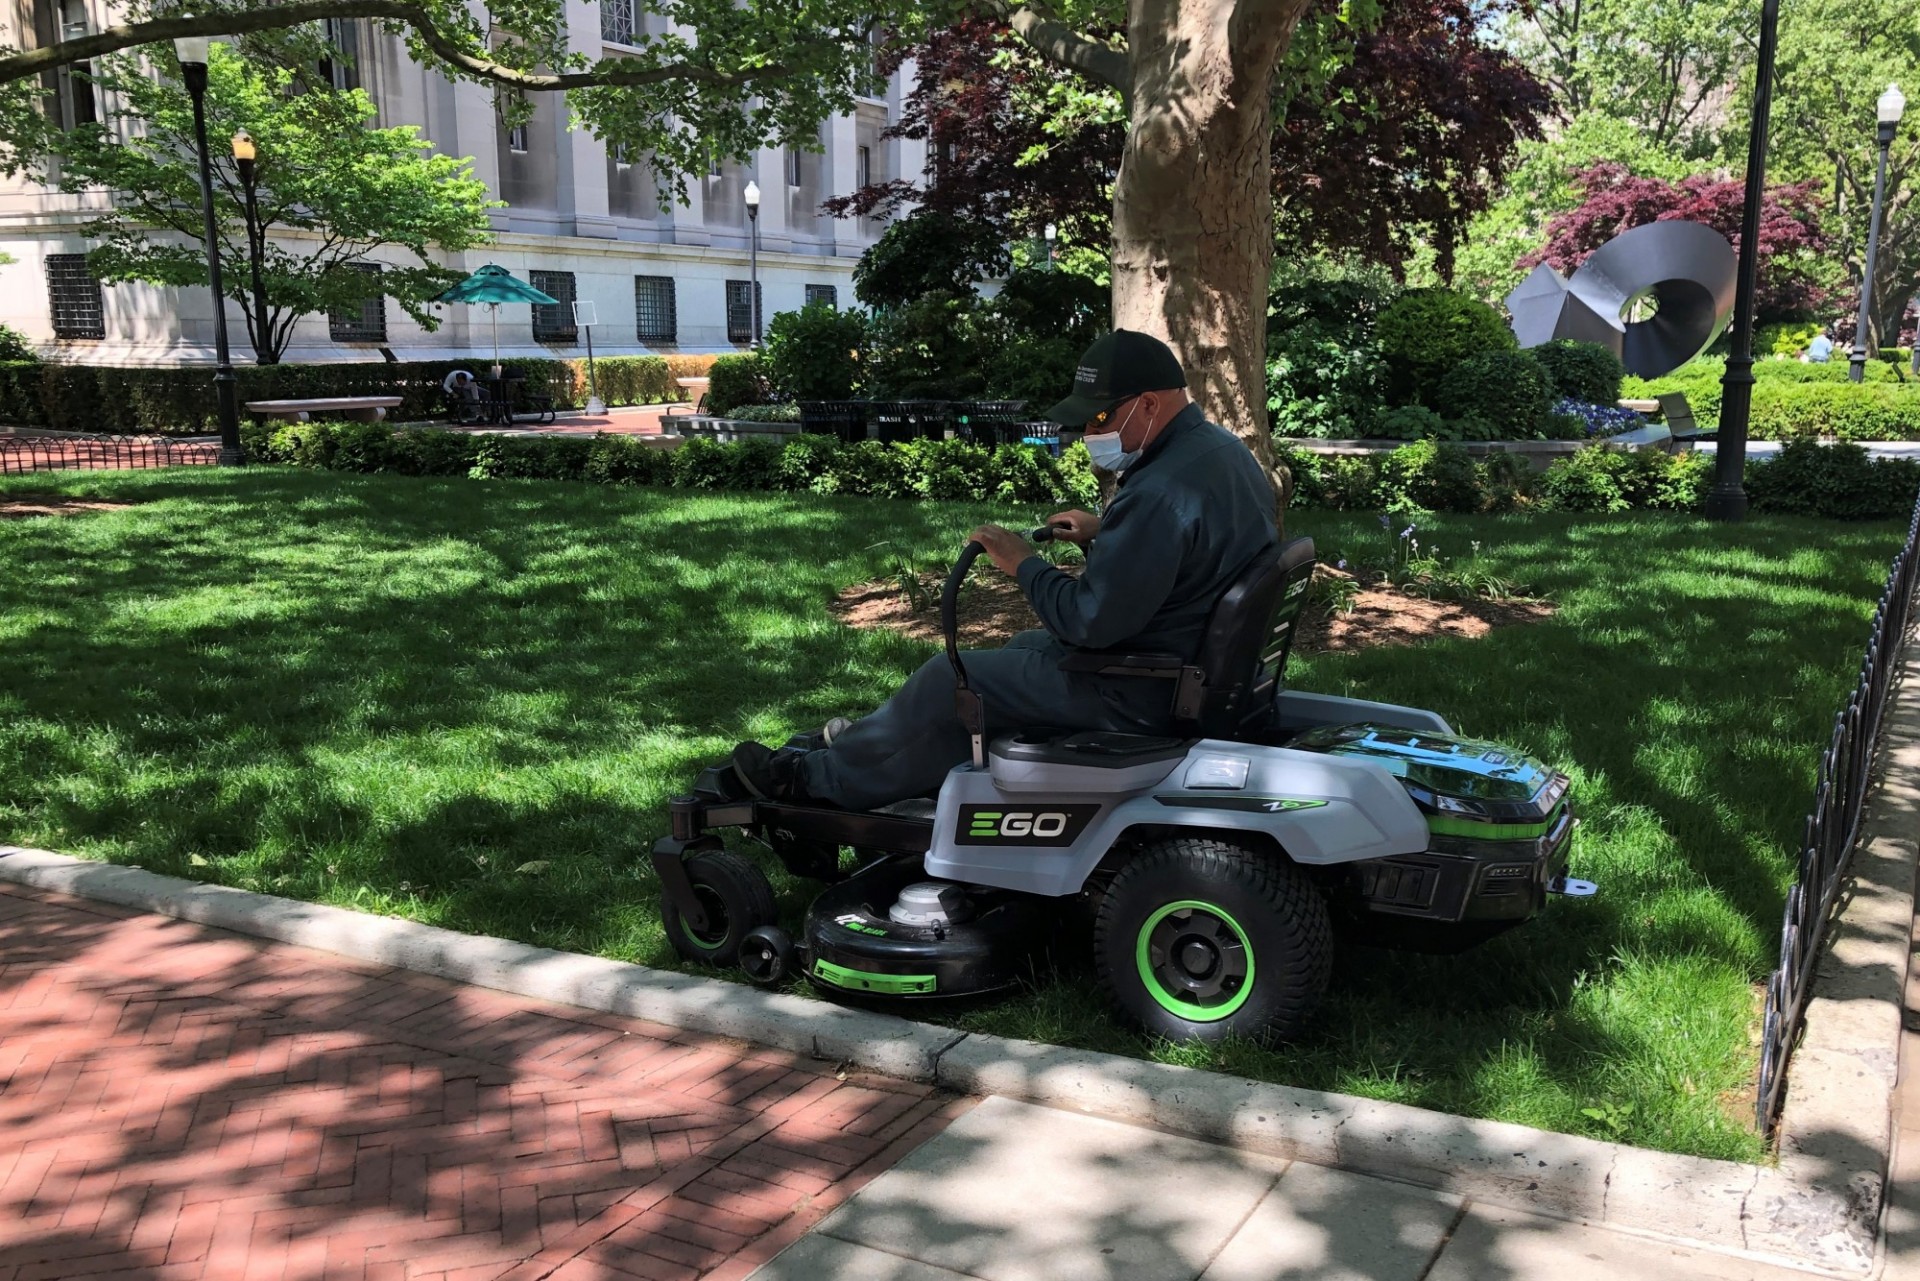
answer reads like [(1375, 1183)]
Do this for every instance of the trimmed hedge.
[(1791, 399), (180, 401), (1835, 481), (936, 469)]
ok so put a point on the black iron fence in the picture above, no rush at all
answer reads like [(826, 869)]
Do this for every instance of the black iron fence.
[(1839, 799), (22, 454)]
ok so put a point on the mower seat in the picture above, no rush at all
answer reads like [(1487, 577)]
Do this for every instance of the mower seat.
[(1228, 690)]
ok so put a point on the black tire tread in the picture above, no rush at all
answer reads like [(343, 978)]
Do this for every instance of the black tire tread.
[(1291, 898), (740, 884)]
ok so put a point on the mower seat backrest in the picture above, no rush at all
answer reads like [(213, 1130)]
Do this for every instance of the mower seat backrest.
[(1243, 657), (1228, 690)]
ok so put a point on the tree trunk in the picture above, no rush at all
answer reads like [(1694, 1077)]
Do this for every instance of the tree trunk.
[(1192, 204)]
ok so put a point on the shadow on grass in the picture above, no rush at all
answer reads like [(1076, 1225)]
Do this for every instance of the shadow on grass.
[(393, 694)]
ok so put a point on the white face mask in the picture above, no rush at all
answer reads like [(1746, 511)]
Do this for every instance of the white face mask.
[(1107, 450)]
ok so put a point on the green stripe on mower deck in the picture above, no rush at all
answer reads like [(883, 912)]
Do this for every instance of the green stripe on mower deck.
[(867, 981)]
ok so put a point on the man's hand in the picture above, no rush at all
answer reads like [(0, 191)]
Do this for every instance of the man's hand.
[(1076, 527), (1006, 548)]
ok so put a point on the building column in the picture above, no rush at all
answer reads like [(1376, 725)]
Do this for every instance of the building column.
[(842, 168), (775, 234), (580, 169)]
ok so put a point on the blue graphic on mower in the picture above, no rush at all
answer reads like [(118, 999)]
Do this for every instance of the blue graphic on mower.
[(1216, 863)]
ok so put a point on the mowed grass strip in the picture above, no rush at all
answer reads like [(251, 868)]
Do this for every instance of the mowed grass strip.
[(467, 703)]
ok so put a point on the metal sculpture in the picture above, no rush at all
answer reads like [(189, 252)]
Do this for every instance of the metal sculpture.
[(1685, 269)]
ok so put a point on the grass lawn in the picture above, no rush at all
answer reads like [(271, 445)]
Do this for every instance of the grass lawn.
[(466, 703)]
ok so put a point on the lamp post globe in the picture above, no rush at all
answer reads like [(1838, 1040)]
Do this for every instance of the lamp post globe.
[(753, 259), (1050, 231), (192, 53), (1887, 112)]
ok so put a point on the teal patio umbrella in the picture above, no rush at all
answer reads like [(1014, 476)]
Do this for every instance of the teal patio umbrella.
[(494, 285)]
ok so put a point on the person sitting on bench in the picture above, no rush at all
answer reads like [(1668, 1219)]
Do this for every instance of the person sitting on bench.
[(1192, 510)]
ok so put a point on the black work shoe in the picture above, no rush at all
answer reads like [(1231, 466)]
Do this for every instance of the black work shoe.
[(766, 774)]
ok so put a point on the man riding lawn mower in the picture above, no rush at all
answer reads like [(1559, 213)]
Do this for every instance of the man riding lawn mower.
[(1139, 758)]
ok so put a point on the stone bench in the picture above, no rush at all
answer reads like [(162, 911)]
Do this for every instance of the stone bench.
[(363, 409)]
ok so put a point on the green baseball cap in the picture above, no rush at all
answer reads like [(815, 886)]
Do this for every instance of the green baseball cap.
[(1118, 366)]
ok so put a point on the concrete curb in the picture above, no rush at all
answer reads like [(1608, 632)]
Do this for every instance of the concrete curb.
[(1722, 1205)]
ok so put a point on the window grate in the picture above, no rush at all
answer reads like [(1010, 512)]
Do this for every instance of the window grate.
[(554, 323), (364, 323), (655, 316), (828, 294), (616, 21), (740, 298), (73, 298)]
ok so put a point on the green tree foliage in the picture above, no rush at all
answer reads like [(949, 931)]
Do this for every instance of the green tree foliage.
[(325, 171), (1325, 372), (1581, 370), (1661, 67), (926, 252), (1836, 58)]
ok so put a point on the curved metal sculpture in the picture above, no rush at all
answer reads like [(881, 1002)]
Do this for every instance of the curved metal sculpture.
[(1685, 268)]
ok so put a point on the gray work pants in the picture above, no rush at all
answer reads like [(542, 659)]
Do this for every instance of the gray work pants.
[(908, 745)]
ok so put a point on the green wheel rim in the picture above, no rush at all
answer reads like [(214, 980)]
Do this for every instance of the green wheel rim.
[(716, 920), (1195, 961)]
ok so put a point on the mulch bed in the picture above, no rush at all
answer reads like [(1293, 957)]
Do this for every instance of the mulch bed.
[(992, 608)]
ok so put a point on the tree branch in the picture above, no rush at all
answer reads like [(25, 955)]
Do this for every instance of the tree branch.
[(1055, 41), (611, 73)]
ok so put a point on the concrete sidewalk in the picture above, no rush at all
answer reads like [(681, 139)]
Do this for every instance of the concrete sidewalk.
[(1013, 1192)]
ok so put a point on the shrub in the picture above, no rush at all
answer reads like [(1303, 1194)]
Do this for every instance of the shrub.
[(736, 380), (811, 353), (928, 252), (930, 347), (1033, 331), (1411, 422), (1429, 476), (1616, 480), (1787, 340), (1325, 375), (14, 347), (1506, 388), (619, 460), (788, 413), (20, 401), (806, 461), (1840, 482), (1426, 332), (634, 380), (1786, 411), (868, 468), (1583, 371)]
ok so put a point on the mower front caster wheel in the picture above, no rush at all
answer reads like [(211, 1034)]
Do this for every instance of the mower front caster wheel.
[(737, 899), (1201, 939), (767, 956)]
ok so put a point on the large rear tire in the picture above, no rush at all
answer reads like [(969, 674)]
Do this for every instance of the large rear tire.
[(1199, 939), (737, 898)]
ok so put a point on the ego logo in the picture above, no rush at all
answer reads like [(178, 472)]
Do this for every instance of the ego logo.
[(1056, 825)]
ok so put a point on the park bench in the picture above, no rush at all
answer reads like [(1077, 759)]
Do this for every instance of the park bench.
[(364, 409), (698, 389), (1679, 417)]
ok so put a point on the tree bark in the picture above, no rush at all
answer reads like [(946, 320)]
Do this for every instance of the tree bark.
[(1193, 204)]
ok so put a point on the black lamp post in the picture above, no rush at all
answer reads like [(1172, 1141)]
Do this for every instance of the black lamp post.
[(753, 257), (1727, 500), (244, 153), (192, 52), (1889, 109)]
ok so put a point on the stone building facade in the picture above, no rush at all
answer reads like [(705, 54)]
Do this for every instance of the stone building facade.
[(582, 221)]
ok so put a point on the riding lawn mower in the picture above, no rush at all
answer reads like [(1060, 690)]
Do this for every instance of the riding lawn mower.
[(1216, 862)]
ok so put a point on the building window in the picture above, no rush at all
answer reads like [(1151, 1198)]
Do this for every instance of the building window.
[(655, 316), (554, 323), (793, 166), (73, 298), (341, 67), (713, 164), (622, 156), (827, 294), (517, 139), (740, 297), (863, 169), (78, 101), (366, 322), (616, 21)]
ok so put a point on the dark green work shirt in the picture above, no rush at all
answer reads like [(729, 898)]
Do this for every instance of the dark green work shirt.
[(1188, 517)]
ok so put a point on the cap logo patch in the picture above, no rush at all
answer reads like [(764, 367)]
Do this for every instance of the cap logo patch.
[(1086, 374)]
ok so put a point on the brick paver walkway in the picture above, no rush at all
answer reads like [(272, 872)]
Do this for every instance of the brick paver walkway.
[(181, 1102)]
